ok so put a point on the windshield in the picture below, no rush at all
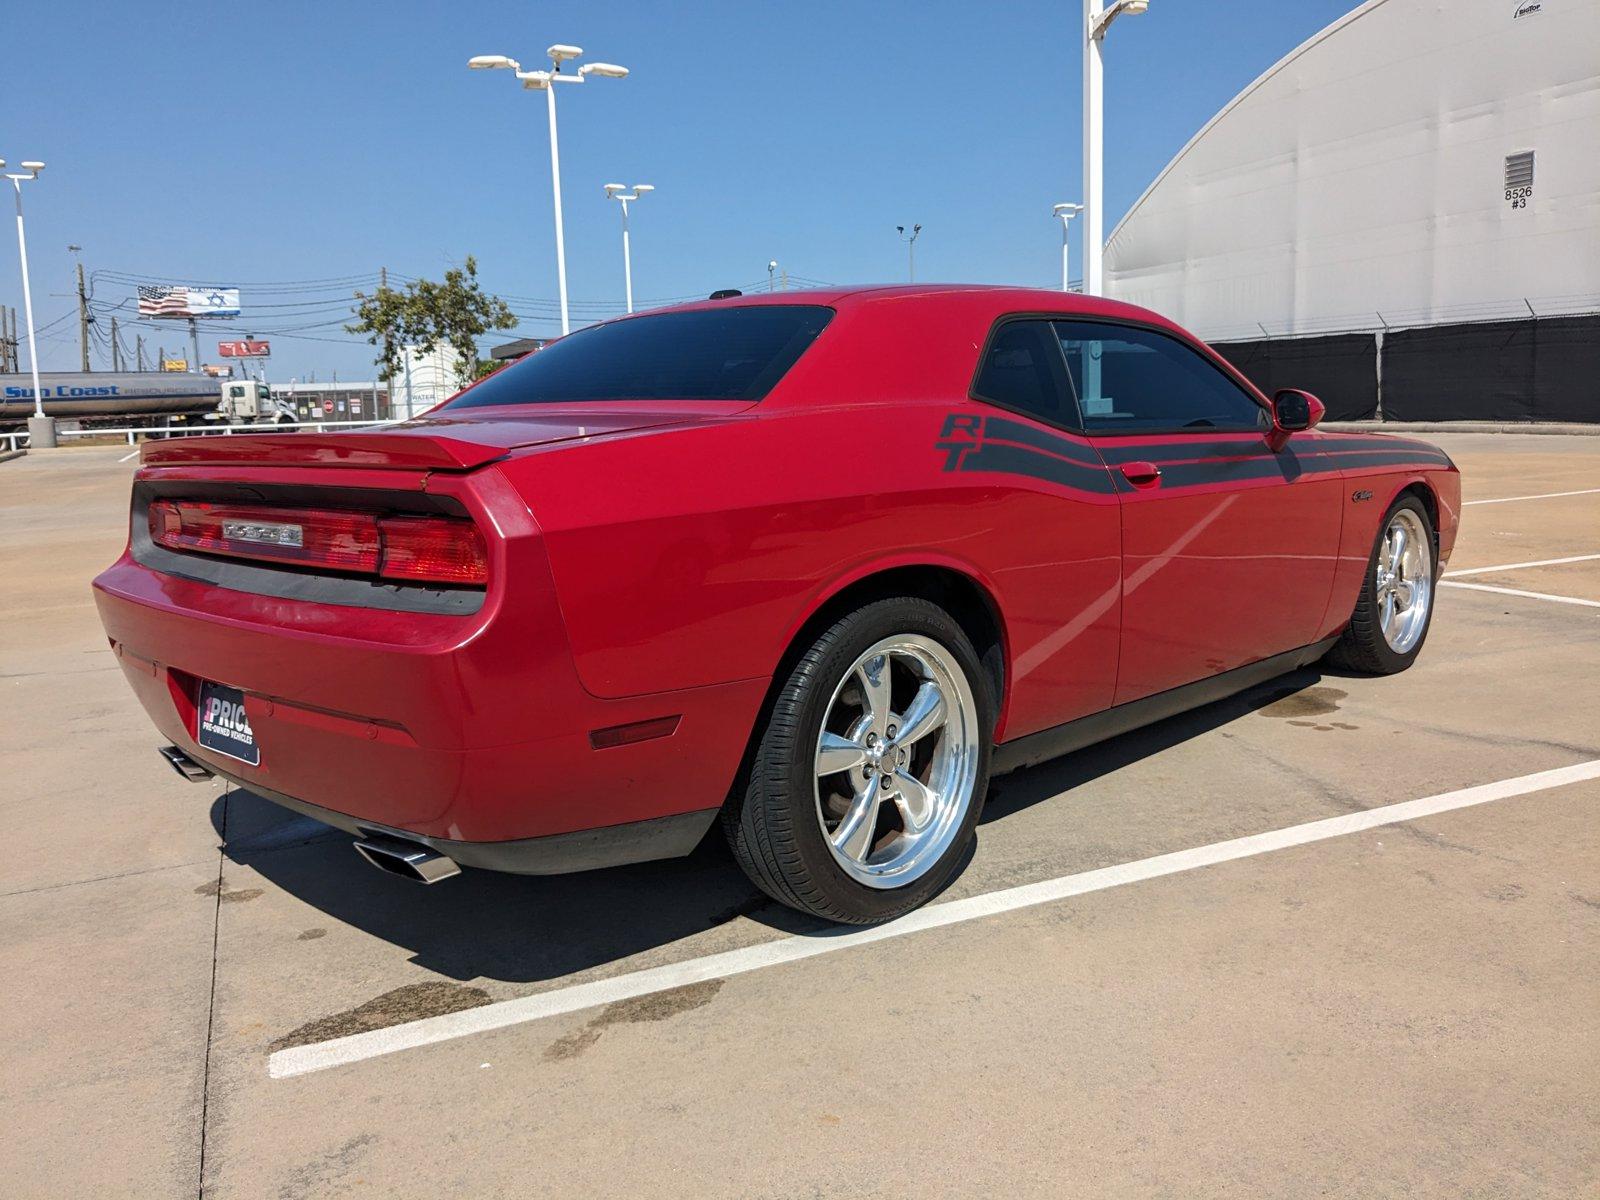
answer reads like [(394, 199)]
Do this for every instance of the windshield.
[(710, 354)]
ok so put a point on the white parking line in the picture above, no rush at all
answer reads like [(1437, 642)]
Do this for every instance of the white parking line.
[(1500, 591), (1542, 496), (1543, 562), (300, 1060)]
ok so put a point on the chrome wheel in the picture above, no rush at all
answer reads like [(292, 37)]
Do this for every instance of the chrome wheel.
[(1403, 579), (896, 761)]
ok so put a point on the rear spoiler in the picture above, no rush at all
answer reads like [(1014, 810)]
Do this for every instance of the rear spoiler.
[(400, 450)]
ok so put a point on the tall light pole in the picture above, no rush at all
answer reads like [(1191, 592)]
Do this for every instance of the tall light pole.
[(911, 250), (1066, 212), (545, 81), (772, 277), (1097, 18), (41, 429), (616, 191)]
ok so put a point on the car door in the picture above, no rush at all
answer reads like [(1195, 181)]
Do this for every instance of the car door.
[(1228, 547), (1048, 526)]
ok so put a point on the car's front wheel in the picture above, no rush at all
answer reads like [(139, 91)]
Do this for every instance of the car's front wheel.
[(1395, 607), (865, 784)]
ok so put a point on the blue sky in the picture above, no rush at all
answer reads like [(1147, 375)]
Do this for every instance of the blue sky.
[(268, 145)]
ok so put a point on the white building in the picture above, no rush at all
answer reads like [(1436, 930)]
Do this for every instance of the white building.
[(1417, 162), (425, 379)]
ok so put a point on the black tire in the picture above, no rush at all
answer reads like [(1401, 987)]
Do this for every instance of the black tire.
[(771, 817), (1362, 647)]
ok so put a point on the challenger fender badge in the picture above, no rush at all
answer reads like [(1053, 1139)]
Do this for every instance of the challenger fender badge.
[(1358, 497)]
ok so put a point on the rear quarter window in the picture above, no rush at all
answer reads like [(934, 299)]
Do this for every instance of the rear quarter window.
[(709, 354)]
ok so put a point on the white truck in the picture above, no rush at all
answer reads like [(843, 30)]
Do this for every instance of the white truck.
[(249, 402)]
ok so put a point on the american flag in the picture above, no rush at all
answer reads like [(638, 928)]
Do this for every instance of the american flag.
[(163, 301)]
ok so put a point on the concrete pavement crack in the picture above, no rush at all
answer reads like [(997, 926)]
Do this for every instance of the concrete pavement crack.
[(71, 883), (211, 1007)]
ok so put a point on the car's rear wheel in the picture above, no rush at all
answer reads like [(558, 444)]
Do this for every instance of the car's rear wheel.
[(865, 784), (1395, 608)]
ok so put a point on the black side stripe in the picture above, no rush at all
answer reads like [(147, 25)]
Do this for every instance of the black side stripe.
[(1179, 475), (1379, 456), (1000, 429), (1011, 447), (1017, 460), (1177, 451)]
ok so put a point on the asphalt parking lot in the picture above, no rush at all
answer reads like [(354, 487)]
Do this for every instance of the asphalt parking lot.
[(1407, 1005)]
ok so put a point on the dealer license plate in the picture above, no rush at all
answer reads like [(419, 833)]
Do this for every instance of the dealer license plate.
[(224, 727)]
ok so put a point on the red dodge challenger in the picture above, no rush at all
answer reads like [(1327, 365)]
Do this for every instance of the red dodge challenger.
[(817, 563)]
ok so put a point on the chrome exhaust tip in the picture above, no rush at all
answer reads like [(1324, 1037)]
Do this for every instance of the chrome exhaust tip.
[(184, 765), (409, 860)]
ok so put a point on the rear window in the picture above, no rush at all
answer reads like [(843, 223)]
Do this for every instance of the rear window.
[(712, 354)]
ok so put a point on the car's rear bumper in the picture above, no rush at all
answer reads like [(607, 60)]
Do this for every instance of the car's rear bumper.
[(471, 732)]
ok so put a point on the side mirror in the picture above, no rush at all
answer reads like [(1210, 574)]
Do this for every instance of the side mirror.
[(1293, 411)]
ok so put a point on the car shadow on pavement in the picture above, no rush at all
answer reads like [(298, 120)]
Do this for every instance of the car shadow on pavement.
[(525, 928), (1022, 789), (488, 925)]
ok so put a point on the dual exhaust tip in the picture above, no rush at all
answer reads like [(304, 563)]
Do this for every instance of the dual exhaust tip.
[(409, 860), (398, 856)]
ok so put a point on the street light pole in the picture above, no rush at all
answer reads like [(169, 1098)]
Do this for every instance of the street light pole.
[(545, 81), (41, 429), (1066, 212), (1097, 18), (911, 250), (555, 187), (616, 191)]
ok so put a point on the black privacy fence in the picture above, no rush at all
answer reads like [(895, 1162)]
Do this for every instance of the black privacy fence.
[(1539, 369)]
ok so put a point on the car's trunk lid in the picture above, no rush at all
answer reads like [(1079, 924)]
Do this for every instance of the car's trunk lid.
[(455, 439)]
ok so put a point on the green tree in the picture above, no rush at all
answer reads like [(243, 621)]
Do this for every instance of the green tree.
[(455, 312)]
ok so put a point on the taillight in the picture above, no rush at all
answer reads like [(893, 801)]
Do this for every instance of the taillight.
[(417, 549), (440, 549)]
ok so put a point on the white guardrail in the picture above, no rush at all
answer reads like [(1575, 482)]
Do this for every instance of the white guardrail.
[(19, 439)]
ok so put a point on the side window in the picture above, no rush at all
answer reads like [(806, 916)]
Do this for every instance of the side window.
[(1131, 380), (1021, 370)]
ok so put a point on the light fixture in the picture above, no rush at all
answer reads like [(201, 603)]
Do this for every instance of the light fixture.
[(545, 81)]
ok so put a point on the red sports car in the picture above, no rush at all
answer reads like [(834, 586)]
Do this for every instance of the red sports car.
[(817, 563)]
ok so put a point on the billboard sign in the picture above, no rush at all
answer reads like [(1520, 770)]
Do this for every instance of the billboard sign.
[(174, 364), (245, 349), (179, 301)]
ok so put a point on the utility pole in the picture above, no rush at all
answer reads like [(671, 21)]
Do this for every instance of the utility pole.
[(388, 342), (83, 318), (116, 350), (194, 345), (138, 350)]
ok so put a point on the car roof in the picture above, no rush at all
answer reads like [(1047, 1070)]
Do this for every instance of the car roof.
[(997, 298)]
